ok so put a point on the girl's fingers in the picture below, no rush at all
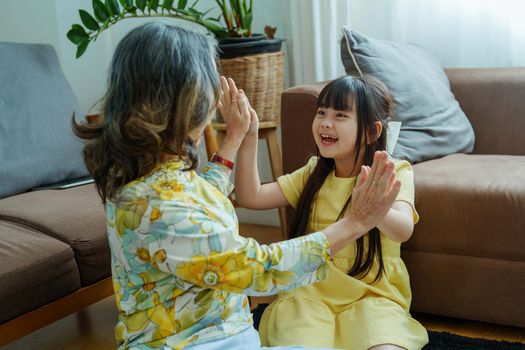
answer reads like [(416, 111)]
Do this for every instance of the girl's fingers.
[(243, 104)]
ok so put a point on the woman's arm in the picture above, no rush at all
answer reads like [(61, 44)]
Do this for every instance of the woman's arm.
[(235, 110)]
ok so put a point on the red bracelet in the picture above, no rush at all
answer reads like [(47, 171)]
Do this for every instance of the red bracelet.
[(225, 162)]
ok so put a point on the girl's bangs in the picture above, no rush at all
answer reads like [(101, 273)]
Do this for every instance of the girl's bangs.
[(339, 95)]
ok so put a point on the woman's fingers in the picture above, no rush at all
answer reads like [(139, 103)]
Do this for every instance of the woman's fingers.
[(225, 95), (372, 176), (391, 197), (233, 88), (363, 174), (384, 181)]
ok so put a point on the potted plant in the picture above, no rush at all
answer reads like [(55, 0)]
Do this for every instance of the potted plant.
[(254, 61), (232, 27)]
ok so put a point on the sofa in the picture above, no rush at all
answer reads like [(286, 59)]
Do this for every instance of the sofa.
[(466, 257), (54, 254)]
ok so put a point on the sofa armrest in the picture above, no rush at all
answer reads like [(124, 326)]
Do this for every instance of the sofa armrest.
[(494, 101)]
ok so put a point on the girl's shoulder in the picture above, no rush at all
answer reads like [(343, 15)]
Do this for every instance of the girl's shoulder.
[(400, 164), (312, 161)]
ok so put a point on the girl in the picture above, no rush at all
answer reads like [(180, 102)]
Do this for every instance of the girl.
[(364, 302), (181, 272)]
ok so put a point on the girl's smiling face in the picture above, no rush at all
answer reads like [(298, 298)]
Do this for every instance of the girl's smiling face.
[(335, 133)]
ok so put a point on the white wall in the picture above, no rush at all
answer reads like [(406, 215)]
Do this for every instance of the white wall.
[(47, 21)]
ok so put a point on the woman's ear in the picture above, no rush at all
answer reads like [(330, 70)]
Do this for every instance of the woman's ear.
[(378, 130)]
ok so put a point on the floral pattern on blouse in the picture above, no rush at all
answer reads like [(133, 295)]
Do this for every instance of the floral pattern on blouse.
[(181, 271)]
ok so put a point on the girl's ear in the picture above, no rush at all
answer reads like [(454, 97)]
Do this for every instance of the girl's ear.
[(378, 130)]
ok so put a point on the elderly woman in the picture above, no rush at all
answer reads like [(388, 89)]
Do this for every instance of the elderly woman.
[(181, 272)]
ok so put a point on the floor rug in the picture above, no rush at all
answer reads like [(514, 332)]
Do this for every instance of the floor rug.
[(439, 340)]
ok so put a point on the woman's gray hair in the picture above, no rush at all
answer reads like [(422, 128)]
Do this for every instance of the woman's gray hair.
[(163, 83)]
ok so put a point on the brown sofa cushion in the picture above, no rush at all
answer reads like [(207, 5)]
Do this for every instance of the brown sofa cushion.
[(35, 270), (471, 205), (489, 290), (74, 216)]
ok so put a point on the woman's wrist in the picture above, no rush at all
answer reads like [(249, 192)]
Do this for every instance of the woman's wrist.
[(226, 162), (228, 150)]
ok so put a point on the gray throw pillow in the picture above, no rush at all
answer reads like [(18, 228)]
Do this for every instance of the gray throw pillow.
[(433, 124), (37, 145)]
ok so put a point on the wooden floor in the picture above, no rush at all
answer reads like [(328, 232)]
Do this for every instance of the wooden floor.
[(92, 328)]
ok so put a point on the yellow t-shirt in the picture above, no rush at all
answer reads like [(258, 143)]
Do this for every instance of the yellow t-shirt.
[(343, 311)]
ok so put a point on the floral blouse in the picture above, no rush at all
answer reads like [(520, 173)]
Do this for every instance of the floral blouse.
[(181, 272)]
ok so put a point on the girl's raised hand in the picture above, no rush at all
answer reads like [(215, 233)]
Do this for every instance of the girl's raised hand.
[(235, 110), (375, 192), (253, 130)]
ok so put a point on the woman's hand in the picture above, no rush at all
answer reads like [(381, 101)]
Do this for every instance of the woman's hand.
[(375, 192), (235, 109)]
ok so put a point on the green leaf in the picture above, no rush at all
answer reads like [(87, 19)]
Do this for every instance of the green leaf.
[(153, 4), (182, 4), (88, 20), (167, 4), (190, 13), (101, 13), (112, 7), (141, 4), (77, 34), (81, 48), (217, 30), (195, 13), (247, 22), (126, 3)]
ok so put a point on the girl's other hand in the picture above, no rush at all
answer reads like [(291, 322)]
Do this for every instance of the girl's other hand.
[(375, 192), (235, 110), (253, 130)]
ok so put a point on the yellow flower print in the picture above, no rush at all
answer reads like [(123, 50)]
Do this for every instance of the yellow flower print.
[(148, 287), (130, 214), (136, 322), (160, 255), (120, 332), (164, 318), (279, 278), (143, 254), (167, 188), (231, 271), (155, 214)]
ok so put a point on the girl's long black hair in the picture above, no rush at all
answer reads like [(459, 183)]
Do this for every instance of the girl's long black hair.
[(373, 103)]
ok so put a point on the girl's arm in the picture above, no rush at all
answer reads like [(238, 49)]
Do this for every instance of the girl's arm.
[(249, 192), (398, 223)]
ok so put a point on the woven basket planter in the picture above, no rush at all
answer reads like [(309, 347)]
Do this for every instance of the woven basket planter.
[(262, 79)]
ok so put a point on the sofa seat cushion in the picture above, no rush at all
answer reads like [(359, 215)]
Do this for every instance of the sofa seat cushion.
[(75, 216), (36, 269), (471, 205)]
